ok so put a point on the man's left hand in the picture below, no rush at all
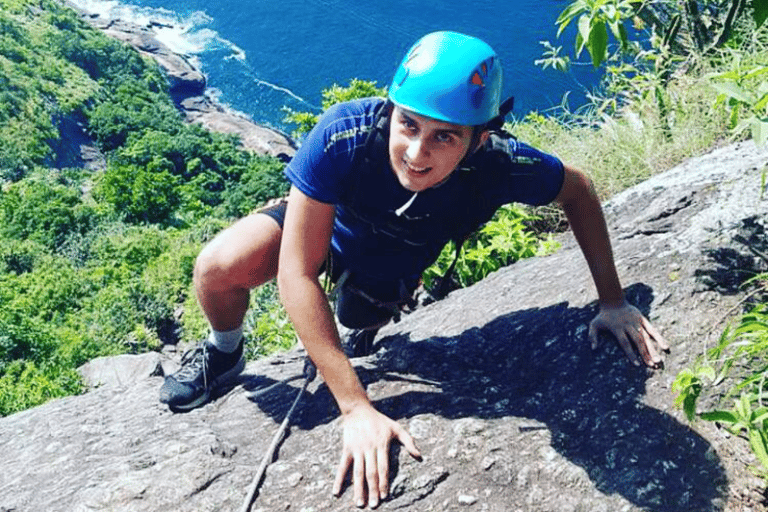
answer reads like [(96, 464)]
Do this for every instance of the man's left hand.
[(633, 332)]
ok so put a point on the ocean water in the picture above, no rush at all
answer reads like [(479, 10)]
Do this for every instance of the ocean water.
[(261, 56)]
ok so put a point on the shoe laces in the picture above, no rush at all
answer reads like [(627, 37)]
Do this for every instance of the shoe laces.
[(192, 362)]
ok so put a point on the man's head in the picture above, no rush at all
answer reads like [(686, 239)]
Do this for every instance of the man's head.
[(445, 92)]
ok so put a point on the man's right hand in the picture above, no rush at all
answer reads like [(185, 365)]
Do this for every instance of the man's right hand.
[(367, 435)]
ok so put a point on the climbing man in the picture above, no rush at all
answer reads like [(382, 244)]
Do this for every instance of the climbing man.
[(378, 188)]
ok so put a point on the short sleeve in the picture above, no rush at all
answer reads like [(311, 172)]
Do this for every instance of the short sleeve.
[(322, 165)]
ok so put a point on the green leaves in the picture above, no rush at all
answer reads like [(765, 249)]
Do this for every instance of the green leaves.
[(688, 384), (738, 359), (502, 241), (44, 212), (552, 58), (357, 88), (142, 194), (26, 384), (759, 11), (745, 93), (596, 41), (595, 18)]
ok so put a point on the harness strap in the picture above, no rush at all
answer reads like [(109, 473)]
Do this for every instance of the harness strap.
[(497, 123), (396, 307), (444, 282)]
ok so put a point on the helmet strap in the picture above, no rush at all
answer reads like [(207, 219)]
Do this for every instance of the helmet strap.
[(474, 144)]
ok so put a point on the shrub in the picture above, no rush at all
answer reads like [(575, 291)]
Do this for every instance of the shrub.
[(335, 94), (262, 180), (140, 194), (502, 241), (734, 374), (268, 327), (20, 256), (131, 109), (43, 212), (23, 337), (205, 174), (26, 384)]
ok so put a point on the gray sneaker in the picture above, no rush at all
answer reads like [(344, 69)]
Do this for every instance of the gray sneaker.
[(202, 369)]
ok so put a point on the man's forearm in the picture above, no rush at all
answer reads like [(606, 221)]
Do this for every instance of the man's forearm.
[(585, 216), (308, 308)]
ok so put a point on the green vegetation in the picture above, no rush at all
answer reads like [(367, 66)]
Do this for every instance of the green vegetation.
[(732, 377), (745, 92), (502, 241), (335, 94), (98, 263)]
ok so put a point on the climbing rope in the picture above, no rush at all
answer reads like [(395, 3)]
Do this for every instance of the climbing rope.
[(310, 372)]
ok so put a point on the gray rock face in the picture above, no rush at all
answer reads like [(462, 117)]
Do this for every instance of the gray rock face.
[(510, 407), (75, 148), (121, 371), (183, 77)]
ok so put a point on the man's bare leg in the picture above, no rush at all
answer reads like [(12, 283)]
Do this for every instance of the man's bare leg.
[(239, 258)]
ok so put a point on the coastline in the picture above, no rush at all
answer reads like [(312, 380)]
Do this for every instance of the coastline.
[(188, 86)]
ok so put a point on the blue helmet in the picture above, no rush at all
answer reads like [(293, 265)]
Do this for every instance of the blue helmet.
[(450, 77)]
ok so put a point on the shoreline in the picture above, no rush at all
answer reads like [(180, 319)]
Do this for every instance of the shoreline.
[(188, 86)]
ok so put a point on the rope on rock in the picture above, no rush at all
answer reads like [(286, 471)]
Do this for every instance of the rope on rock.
[(310, 372)]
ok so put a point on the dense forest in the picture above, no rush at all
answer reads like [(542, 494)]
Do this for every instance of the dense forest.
[(96, 262)]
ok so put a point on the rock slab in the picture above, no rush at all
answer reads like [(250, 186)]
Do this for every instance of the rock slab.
[(510, 407)]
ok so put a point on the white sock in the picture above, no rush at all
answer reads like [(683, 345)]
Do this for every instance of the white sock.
[(226, 341)]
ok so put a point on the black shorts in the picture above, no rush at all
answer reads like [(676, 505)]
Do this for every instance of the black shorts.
[(358, 305)]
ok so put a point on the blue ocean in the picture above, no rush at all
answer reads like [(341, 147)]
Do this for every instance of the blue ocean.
[(261, 56)]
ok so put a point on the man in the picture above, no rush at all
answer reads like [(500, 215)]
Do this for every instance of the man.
[(378, 188)]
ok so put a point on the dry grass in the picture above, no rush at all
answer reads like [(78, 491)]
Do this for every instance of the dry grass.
[(647, 134)]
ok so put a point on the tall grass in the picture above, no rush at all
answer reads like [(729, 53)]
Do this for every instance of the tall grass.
[(621, 141)]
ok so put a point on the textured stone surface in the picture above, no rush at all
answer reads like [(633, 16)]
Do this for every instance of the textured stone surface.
[(121, 370), (510, 407)]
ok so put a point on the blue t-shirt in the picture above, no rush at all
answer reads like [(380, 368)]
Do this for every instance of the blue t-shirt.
[(370, 237)]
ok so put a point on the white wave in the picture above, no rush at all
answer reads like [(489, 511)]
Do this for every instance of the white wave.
[(238, 53), (186, 34), (186, 39), (142, 16), (281, 89)]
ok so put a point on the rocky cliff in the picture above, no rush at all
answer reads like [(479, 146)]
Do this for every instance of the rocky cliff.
[(497, 383), (188, 88)]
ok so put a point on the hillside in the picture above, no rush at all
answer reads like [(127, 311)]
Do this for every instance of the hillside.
[(508, 404), (108, 188)]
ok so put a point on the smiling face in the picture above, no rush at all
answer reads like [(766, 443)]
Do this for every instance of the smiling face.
[(423, 151)]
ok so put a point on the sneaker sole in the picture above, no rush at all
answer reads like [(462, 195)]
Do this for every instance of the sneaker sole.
[(205, 397)]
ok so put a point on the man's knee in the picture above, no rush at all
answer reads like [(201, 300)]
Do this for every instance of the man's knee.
[(243, 256), (212, 267)]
